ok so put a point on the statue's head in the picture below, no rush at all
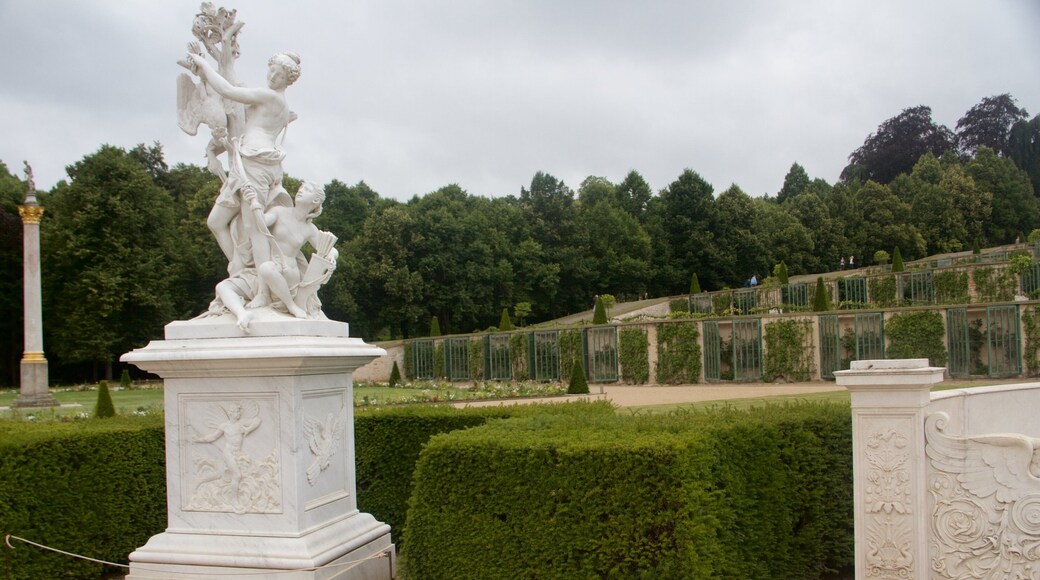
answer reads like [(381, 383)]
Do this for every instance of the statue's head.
[(289, 63), (311, 194)]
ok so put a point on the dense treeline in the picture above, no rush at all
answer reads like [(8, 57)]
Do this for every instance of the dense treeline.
[(126, 248)]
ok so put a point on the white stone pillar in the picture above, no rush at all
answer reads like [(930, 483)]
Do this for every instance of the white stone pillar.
[(33, 392), (260, 467), (889, 398)]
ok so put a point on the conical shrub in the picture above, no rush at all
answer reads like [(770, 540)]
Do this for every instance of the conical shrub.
[(821, 300), (505, 323), (435, 326), (599, 316), (695, 285), (897, 260), (578, 385), (395, 375), (104, 407)]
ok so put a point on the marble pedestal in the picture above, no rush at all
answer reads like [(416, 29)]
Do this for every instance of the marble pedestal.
[(260, 453)]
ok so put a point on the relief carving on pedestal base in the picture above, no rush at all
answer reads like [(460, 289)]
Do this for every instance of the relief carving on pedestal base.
[(226, 474)]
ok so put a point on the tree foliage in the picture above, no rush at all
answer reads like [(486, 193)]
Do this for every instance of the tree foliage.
[(126, 248), (897, 145), (109, 250), (988, 124)]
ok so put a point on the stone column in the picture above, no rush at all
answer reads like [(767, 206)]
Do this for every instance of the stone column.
[(260, 468), (889, 398), (34, 383)]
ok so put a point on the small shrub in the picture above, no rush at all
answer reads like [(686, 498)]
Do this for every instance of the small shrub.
[(578, 384), (124, 380), (695, 286), (504, 323), (821, 298), (897, 260), (104, 408), (435, 326), (881, 257), (395, 375), (599, 316)]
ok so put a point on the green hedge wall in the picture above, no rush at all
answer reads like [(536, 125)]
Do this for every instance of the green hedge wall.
[(96, 488), (388, 442), (678, 354), (634, 352), (917, 335), (727, 494)]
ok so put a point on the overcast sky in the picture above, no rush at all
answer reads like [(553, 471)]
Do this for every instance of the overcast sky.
[(412, 96)]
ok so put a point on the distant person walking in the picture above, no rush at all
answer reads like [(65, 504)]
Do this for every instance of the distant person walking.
[(754, 280), (852, 262), (841, 263)]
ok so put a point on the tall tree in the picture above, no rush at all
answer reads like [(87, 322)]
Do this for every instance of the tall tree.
[(988, 124), (932, 207), (897, 145), (12, 194), (549, 208), (596, 189), (735, 231), (390, 290), (1014, 207), (1024, 145), (633, 195), (346, 208), (795, 182), (683, 216), (108, 251), (883, 221), (617, 250)]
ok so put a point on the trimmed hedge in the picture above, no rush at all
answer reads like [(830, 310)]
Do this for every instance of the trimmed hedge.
[(96, 488), (728, 494), (388, 442)]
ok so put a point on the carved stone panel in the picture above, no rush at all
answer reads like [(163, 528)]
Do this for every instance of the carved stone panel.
[(887, 518), (984, 504), (229, 454)]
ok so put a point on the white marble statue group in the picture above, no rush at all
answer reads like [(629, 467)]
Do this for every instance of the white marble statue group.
[(258, 225)]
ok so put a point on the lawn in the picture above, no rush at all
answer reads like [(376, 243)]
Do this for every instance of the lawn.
[(148, 397)]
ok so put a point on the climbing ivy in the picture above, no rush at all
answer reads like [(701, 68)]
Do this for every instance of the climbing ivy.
[(678, 353), (951, 287), (992, 285), (679, 305), (721, 303), (883, 291), (409, 372), (476, 359), (518, 346), (634, 350), (917, 335), (438, 358), (1031, 326), (570, 351), (789, 351)]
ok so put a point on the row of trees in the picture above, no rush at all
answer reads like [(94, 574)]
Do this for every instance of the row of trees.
[(126, 249)]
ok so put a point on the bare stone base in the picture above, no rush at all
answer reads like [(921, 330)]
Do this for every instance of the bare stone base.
[(34, 391), (318, 556)]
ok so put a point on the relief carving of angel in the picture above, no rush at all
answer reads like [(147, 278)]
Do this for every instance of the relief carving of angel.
[(323, 438)]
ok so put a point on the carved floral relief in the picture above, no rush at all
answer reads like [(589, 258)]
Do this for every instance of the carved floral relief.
[(984, 502), (888, 501)]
